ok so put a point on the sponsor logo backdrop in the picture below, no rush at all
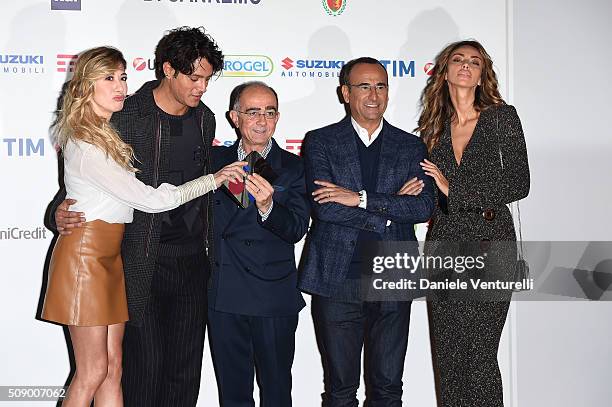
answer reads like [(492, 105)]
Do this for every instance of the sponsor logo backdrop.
[(297, 47)]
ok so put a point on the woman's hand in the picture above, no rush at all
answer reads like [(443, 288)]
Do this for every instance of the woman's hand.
[(433, 171), (231, 172)]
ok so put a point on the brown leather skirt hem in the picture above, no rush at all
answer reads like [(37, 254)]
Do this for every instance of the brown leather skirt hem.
[(86, 286)]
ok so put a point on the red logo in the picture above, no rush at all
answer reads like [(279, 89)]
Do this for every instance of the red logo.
[(334, 5), (294, 145), (429, 68), (139, 64), (287, 63), (65, 62)]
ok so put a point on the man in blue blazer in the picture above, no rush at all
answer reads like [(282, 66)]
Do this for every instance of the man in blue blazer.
[(253, 296), (354, 172)]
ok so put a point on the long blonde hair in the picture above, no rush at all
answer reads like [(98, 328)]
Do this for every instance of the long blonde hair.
[(436, 105), (77, 119)]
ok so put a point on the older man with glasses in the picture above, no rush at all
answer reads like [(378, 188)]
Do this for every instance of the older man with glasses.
[(253, 297)]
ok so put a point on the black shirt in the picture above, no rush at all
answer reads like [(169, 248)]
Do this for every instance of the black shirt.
[(184, 225)]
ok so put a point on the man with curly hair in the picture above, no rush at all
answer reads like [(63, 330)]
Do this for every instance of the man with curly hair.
[(167, 256)]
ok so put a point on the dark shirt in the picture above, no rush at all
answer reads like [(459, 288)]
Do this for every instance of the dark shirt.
[(184, 225), (369, 158)]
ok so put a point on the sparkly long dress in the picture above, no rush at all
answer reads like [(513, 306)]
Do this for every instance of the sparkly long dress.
[(465, 334)]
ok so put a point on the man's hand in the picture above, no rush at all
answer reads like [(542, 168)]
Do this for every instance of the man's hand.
[(233, 172), (433, 171), (261, 190), (67, 220), (333, 193), (413, 187)]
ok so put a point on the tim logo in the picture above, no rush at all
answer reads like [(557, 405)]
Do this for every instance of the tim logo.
[(66, 5), (334, 7), (23, 147), (287, 63), (294, 146), (65, 62)]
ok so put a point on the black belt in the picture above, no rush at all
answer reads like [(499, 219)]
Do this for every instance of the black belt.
[(487, 213)]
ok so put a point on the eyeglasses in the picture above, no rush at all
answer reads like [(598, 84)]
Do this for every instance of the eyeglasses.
[(366, 87), (254, 114), (473, 62)]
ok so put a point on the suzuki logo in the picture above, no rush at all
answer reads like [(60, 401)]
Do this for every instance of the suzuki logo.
[(287, 63)]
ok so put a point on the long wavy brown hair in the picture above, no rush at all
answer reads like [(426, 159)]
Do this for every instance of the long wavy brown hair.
[(77, 119), (435, 103)]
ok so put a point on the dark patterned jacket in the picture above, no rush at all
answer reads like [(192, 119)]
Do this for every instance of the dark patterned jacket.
[(141, 125), (330, 154)]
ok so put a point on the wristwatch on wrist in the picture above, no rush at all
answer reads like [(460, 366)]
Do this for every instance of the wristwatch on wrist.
[(362, 199)]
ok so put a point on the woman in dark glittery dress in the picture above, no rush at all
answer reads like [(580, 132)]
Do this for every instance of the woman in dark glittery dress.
[(479, 162)]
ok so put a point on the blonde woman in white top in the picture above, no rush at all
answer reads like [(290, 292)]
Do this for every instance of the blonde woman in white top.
[(86, 289)]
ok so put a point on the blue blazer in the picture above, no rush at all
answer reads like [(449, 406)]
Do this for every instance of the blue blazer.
[(330, 154), (254, 272)]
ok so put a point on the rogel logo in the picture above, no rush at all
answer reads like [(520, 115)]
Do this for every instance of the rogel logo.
[(247, 65), (23, 147), (334, 7), (22, 64), (65, 4), (140, 64), (17, 233), (65, 62)]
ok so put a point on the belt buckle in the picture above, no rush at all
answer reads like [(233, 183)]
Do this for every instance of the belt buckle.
[(488, 214)]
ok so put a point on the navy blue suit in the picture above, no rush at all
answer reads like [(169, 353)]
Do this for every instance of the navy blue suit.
[(253, 297), (342, 321)]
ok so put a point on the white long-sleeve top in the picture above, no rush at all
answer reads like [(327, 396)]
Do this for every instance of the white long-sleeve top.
[(104, 190)]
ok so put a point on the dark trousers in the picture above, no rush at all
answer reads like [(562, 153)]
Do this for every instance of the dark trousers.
[(343, 329), (240, 344), (162, 358), (465, 339)]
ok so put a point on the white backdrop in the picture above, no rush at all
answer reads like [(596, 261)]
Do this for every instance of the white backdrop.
[(36, 45)]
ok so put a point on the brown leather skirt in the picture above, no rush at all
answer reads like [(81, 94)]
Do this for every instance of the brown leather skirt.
[(86, 285)]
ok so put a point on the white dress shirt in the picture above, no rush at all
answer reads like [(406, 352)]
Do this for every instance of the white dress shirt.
[(106, 191), (365, 137), (363, 133)]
